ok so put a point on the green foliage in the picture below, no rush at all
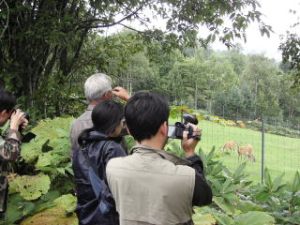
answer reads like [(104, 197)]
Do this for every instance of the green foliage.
[(177, 111), (279, 199), (62, 213), (18, 208), (254, 218), (66, 202), (31, 187), (290, 48), (43, 53), (50, 150), (130, 142), (52, 216), (45, 199), (49, 154), (174, 147), (237, 201)]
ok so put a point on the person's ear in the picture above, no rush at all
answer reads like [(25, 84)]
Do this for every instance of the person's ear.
[(108, 95), (164, 129), (4, 112)]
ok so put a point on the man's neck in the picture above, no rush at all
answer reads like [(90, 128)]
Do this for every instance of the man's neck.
[(154, 143)]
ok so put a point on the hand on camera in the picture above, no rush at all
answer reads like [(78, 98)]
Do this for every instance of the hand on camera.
[(189, 144), (18, 120), (121, 93)]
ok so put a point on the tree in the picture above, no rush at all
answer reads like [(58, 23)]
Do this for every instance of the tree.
[(290, 48), (42, 40), (291, 55), (262, 76), (199, 78)]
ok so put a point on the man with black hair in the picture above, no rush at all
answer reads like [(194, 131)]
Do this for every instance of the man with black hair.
[(10, 144), (152, 186)]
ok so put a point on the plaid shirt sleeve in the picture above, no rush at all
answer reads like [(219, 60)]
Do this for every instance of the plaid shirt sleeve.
[(10, 149)]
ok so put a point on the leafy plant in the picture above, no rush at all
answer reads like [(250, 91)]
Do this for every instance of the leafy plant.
[(280, 200), (232, 202), (61, 213), (30, 187), (49, 174)]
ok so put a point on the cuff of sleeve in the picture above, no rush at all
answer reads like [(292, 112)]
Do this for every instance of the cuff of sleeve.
[(14, 134)]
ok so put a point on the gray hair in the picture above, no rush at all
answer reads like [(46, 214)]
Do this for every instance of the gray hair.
[(96, 86)]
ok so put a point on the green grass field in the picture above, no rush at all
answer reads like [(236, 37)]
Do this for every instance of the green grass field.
[(282, 154)]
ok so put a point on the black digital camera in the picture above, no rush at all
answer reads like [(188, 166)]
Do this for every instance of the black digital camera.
[(176, 131)]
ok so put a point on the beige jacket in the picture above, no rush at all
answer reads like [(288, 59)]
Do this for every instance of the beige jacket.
[(148, 189)]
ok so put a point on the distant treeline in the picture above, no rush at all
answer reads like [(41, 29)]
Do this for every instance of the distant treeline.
[(229, 84)]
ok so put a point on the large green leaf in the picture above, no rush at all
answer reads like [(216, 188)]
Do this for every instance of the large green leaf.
[(53, 216), (50, 134), (66, 202), (296, 182), (226, 206), (61, 214), (246, 206), (31, 187), (223, 219), (14, 209), (254, 218), (277, 183), (31, 151), (204, 219)]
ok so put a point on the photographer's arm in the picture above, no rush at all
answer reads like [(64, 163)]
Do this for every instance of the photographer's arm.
[(202, 192), (10, 150)]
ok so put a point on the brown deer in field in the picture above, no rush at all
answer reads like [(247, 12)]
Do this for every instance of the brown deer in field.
[(246, 150), (230, 146)]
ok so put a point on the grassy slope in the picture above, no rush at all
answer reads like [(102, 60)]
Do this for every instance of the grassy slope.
[(282, 154)]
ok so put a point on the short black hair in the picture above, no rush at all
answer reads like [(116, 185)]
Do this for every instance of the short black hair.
[(7, 100), (107, 115), (144, 113)]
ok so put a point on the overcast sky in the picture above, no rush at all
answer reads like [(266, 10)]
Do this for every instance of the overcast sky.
[(276, 13)]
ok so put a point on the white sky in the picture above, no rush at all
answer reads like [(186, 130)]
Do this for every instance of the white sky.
[(276, 13)]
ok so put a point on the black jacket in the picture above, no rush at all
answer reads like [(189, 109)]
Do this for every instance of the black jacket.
[(100, 150)]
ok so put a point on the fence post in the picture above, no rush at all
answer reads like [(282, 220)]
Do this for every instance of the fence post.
[(262, 150)]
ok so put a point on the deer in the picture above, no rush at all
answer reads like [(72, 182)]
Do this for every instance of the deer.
[(230, 145), (246, 150)]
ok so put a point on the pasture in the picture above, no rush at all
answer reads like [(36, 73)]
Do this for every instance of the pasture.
[(282, 154)]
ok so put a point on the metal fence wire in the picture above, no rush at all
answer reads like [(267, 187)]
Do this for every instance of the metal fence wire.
[(261, 142)]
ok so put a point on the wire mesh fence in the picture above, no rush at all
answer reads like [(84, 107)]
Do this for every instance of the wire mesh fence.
[(262, 143)]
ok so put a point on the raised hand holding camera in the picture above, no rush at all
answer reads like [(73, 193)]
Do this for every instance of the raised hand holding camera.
[(18, 120), (176, 131), (189, 142)]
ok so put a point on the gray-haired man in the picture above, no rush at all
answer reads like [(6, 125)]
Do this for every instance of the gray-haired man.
[(97, 88)]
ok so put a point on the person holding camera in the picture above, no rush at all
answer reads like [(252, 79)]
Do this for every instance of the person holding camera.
[(152, 186), (99, 144), (97, 88), (10, 143)]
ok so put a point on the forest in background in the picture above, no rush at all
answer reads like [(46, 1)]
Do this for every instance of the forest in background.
[(228, 84)]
